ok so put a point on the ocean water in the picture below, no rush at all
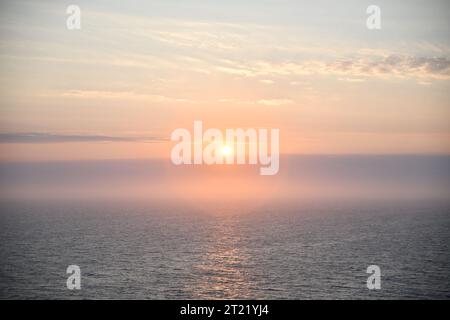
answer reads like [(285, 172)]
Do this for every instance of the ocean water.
[(159, 251)]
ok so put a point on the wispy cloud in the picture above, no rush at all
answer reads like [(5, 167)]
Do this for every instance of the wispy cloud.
[(393, 65), (274, 102), (264, 102), (39, 137), (101, 94)]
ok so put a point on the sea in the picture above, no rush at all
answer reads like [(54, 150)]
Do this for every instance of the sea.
[(150, 250)]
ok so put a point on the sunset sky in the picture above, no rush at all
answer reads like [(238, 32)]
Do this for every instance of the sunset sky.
[(137, 70)]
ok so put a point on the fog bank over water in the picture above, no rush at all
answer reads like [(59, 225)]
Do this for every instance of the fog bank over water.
[(300, 177)]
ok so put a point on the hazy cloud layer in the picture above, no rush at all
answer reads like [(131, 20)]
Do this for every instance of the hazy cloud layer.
[(378, 177)]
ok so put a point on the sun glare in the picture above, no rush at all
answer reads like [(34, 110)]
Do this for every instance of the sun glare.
[(226, 150)]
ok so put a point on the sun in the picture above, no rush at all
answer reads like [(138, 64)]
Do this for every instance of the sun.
[(226, 150)]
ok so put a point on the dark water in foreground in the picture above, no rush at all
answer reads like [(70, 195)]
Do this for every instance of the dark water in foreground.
[(281, 252)]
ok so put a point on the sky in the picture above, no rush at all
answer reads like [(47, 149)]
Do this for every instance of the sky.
[(137, 70)]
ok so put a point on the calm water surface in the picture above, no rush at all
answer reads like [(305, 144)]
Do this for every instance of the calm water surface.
[(149, 251)]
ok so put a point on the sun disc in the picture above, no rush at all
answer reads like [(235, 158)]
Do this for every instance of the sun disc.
[(226, 150)]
